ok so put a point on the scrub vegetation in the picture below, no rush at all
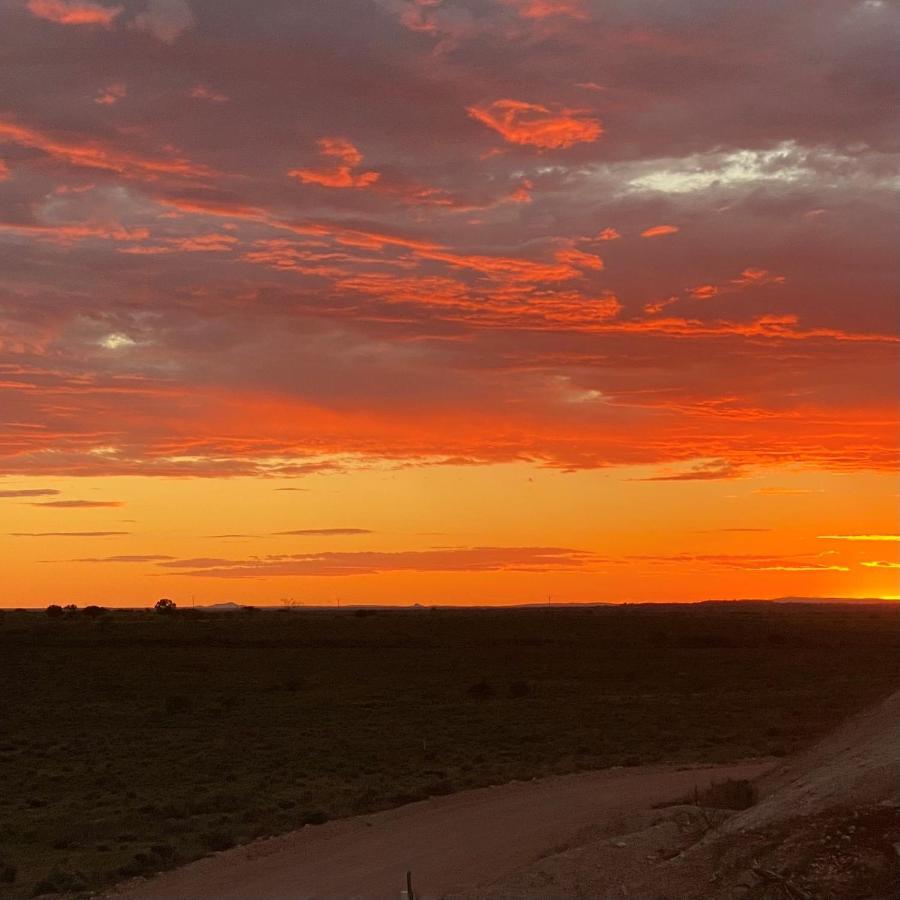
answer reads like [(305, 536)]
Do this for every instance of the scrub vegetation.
[(133, 741)]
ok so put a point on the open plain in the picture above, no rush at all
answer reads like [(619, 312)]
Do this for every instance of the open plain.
[(135, 742)]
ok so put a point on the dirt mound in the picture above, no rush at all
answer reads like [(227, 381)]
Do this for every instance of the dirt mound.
[(827, 826), (856, 765)]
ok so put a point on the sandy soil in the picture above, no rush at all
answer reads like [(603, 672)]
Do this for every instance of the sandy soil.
[(827, 827), (451, 844)]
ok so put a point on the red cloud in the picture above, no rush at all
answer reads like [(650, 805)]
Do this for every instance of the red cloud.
[(542, 9), (533, 125), (340, 175), (74, 12), (658, 230), (98, 155), (202, 92), (111, 95)]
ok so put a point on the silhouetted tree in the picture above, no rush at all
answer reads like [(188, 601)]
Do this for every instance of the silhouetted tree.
[(94, 611), (165, 605), (54, 610)]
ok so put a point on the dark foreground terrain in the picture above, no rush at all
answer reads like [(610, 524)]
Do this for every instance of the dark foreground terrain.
[(132, 742)]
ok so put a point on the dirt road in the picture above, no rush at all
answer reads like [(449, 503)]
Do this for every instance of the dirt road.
[(450, 843)]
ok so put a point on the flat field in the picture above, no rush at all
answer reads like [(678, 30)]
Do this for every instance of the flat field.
[(134, 741)]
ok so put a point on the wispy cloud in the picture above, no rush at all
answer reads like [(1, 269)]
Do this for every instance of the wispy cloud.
[(75, 534), (450, 559), (534, 125), (325, 532), (74, 12), (29, 492), (79, 504)]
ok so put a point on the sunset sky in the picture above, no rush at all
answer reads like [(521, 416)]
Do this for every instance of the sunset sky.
[(447, 301)]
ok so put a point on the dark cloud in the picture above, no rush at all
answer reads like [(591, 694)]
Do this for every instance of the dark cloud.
[(28, 492), (175, 301), (449, 559), (79, 504), (326, 532), (78, 534)]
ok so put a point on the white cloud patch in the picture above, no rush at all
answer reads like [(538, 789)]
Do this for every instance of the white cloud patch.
[(116, 341)]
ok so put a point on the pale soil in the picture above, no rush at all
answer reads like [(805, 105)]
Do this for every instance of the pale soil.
[(827, 827), (452, 844)]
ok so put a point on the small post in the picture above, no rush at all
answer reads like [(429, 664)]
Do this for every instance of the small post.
[(408, 893)]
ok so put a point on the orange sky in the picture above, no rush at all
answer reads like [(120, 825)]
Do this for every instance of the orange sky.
[(447, 301)]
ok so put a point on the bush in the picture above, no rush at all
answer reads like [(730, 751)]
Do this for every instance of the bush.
[(317, 817), (519, 689), (175, 703), (59, 881), (93, 612), (481, 690), (54, 610), (729, 794), (165, 606), (217, 840)]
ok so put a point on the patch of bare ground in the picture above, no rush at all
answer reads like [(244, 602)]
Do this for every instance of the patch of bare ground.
[(827, 828)]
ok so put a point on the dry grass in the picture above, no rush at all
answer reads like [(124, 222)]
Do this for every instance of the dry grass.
[(133, 742)]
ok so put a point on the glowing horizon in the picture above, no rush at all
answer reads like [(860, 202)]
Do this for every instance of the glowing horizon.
[(447, 301)]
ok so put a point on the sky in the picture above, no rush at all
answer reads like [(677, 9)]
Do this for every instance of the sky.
[(448, 301)]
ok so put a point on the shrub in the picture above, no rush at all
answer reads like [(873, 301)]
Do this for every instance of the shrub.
[(59, 881), (165, 606), (519, 689), (217, 840), (175, 703), (54, 610), (729, 794), (481, 690), (92, 612), (316, 817)]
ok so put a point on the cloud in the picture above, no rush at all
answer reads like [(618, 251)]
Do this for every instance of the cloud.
[(534, 125), (748, 562), (166, 20), (880, 564), (859, 537), (111, 94), (543, 9), (659, 231), (451, 559), (94, 154), (79, 504), (173, 304), (74, 12), (125, 558), (712, 470), (28, 492), (202, 92), (785, 492), (77, 534), (340, 174), (326, 532)]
